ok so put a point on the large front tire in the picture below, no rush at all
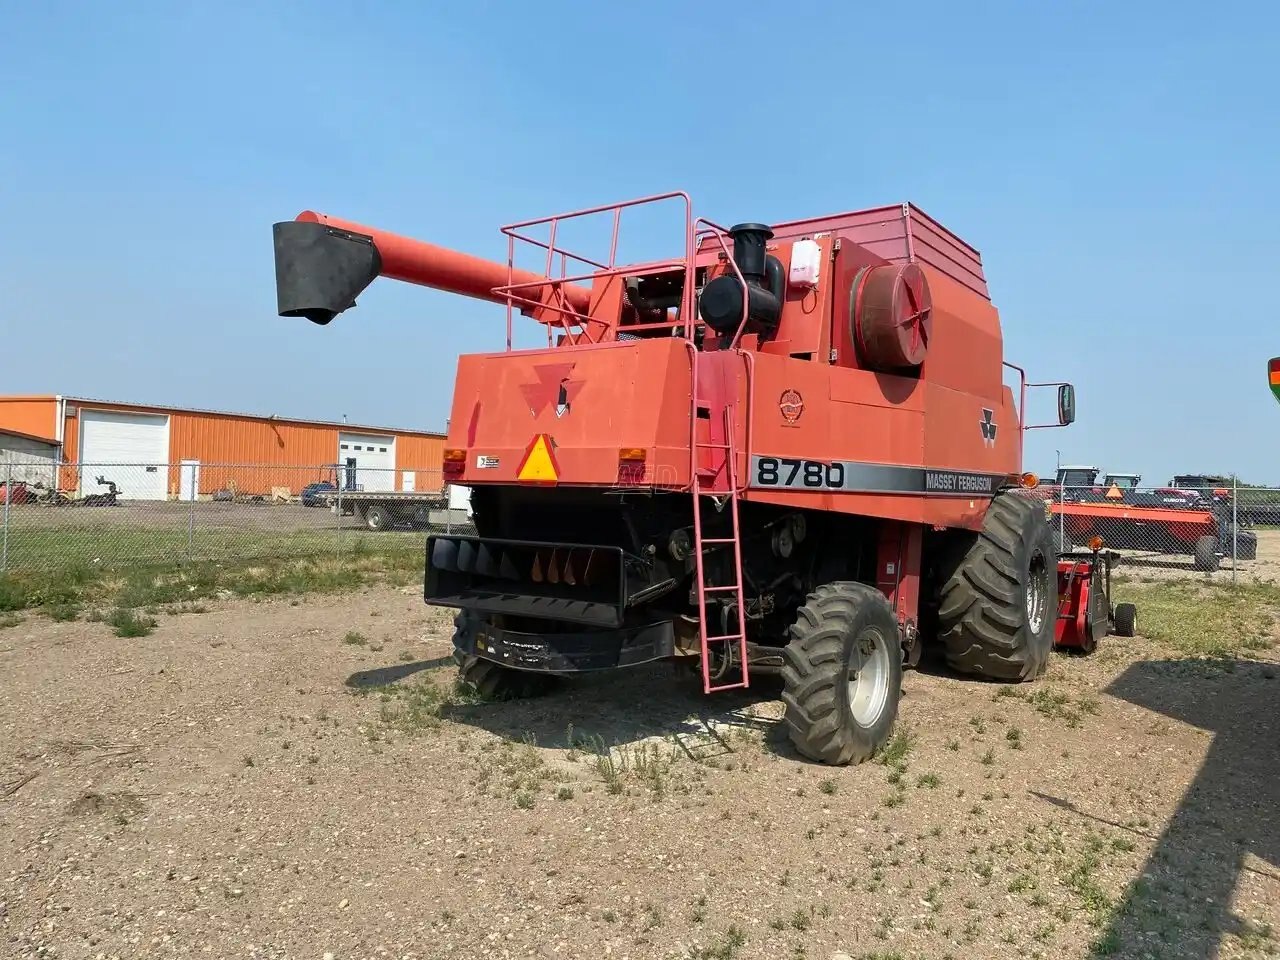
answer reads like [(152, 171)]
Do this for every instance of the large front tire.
[(842, 674), (998, 604)]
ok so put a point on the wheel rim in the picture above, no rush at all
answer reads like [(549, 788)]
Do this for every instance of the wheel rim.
[(1037, 593), (869, 677)]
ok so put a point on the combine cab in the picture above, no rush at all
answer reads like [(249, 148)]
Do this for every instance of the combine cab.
[(785, 448)]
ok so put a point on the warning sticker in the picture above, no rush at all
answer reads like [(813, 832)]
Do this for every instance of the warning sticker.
[(487, 463), (539, 463)]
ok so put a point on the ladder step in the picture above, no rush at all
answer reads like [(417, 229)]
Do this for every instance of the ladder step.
[(707, 589), (707, 540), (712, 446), (743, 685), (727, 636)]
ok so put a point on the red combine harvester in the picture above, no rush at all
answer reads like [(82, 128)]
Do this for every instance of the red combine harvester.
[(786, 448)]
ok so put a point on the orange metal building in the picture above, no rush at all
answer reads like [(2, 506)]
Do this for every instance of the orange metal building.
[(225, 451)]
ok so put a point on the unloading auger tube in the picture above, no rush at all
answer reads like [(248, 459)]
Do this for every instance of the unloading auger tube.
[(323, 264)]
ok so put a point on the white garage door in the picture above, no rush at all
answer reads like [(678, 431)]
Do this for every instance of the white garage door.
[(139, 442), (367, 463)]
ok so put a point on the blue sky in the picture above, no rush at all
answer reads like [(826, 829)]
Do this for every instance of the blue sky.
[(1116, 164)]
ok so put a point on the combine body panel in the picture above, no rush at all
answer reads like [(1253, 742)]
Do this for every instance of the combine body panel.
[(774, 451), (591, 400)]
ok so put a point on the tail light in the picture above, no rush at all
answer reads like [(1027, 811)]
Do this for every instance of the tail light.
[(455, 461), (631, 464)]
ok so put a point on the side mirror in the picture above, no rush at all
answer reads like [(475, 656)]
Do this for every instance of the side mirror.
[(1066, 405)]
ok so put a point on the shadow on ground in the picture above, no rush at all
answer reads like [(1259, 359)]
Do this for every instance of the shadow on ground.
[(381, 676), (1226, 832), (660, 700)]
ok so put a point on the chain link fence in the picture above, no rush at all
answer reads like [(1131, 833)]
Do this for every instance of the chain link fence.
[(61, 515), (58, 515), (1220, 529)]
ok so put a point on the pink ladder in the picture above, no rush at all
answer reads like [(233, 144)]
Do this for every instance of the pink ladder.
[(717, 479)]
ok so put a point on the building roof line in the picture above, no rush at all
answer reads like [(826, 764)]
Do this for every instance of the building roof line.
[(29, 436), (270, 418)]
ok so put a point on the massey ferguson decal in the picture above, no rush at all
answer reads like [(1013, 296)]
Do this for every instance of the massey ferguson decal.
[(988, 427), (791, 405)]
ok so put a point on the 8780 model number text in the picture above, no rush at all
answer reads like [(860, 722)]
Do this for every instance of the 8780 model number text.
[(786, 472)]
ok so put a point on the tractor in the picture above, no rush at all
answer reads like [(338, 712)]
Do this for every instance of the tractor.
[(785, 448)]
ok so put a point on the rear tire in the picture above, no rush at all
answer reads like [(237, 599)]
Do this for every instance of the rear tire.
[(377, 517), (493, 681), (842, 674), (1239, 542), (1206, 554), (997, 607), (1126, 620)]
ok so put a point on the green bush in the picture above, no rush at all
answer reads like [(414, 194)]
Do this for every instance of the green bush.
[(12, 594)]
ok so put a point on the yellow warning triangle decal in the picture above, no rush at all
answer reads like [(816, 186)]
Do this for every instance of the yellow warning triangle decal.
[(539, 465), (1114, 493)]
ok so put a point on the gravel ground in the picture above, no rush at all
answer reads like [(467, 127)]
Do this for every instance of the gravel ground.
[(1265, 568), (296, 779)]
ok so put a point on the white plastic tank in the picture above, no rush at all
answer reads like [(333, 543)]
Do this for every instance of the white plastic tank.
[(806, 261)]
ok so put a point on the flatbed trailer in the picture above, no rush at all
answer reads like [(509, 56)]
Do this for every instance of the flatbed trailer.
[(417, 510)]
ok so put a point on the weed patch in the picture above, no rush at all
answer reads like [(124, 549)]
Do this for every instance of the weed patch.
[(63, 611), (1209, 620), (724, 947), (157, 584), (129, 623), (650, 766)]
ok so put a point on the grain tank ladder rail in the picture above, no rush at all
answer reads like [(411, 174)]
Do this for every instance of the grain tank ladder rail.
[(718, 477), (737, 636), (546, 298)]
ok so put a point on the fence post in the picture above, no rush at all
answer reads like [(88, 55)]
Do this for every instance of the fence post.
[(191, 509), (1235, 527), (338, 539), (1062, 523), (8, 495)]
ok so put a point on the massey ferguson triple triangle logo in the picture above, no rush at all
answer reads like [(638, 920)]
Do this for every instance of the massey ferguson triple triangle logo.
[(988, 426), (552, 387)]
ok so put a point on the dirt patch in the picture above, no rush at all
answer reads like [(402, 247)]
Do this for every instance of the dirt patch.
[(252, 782), (121, 804)]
